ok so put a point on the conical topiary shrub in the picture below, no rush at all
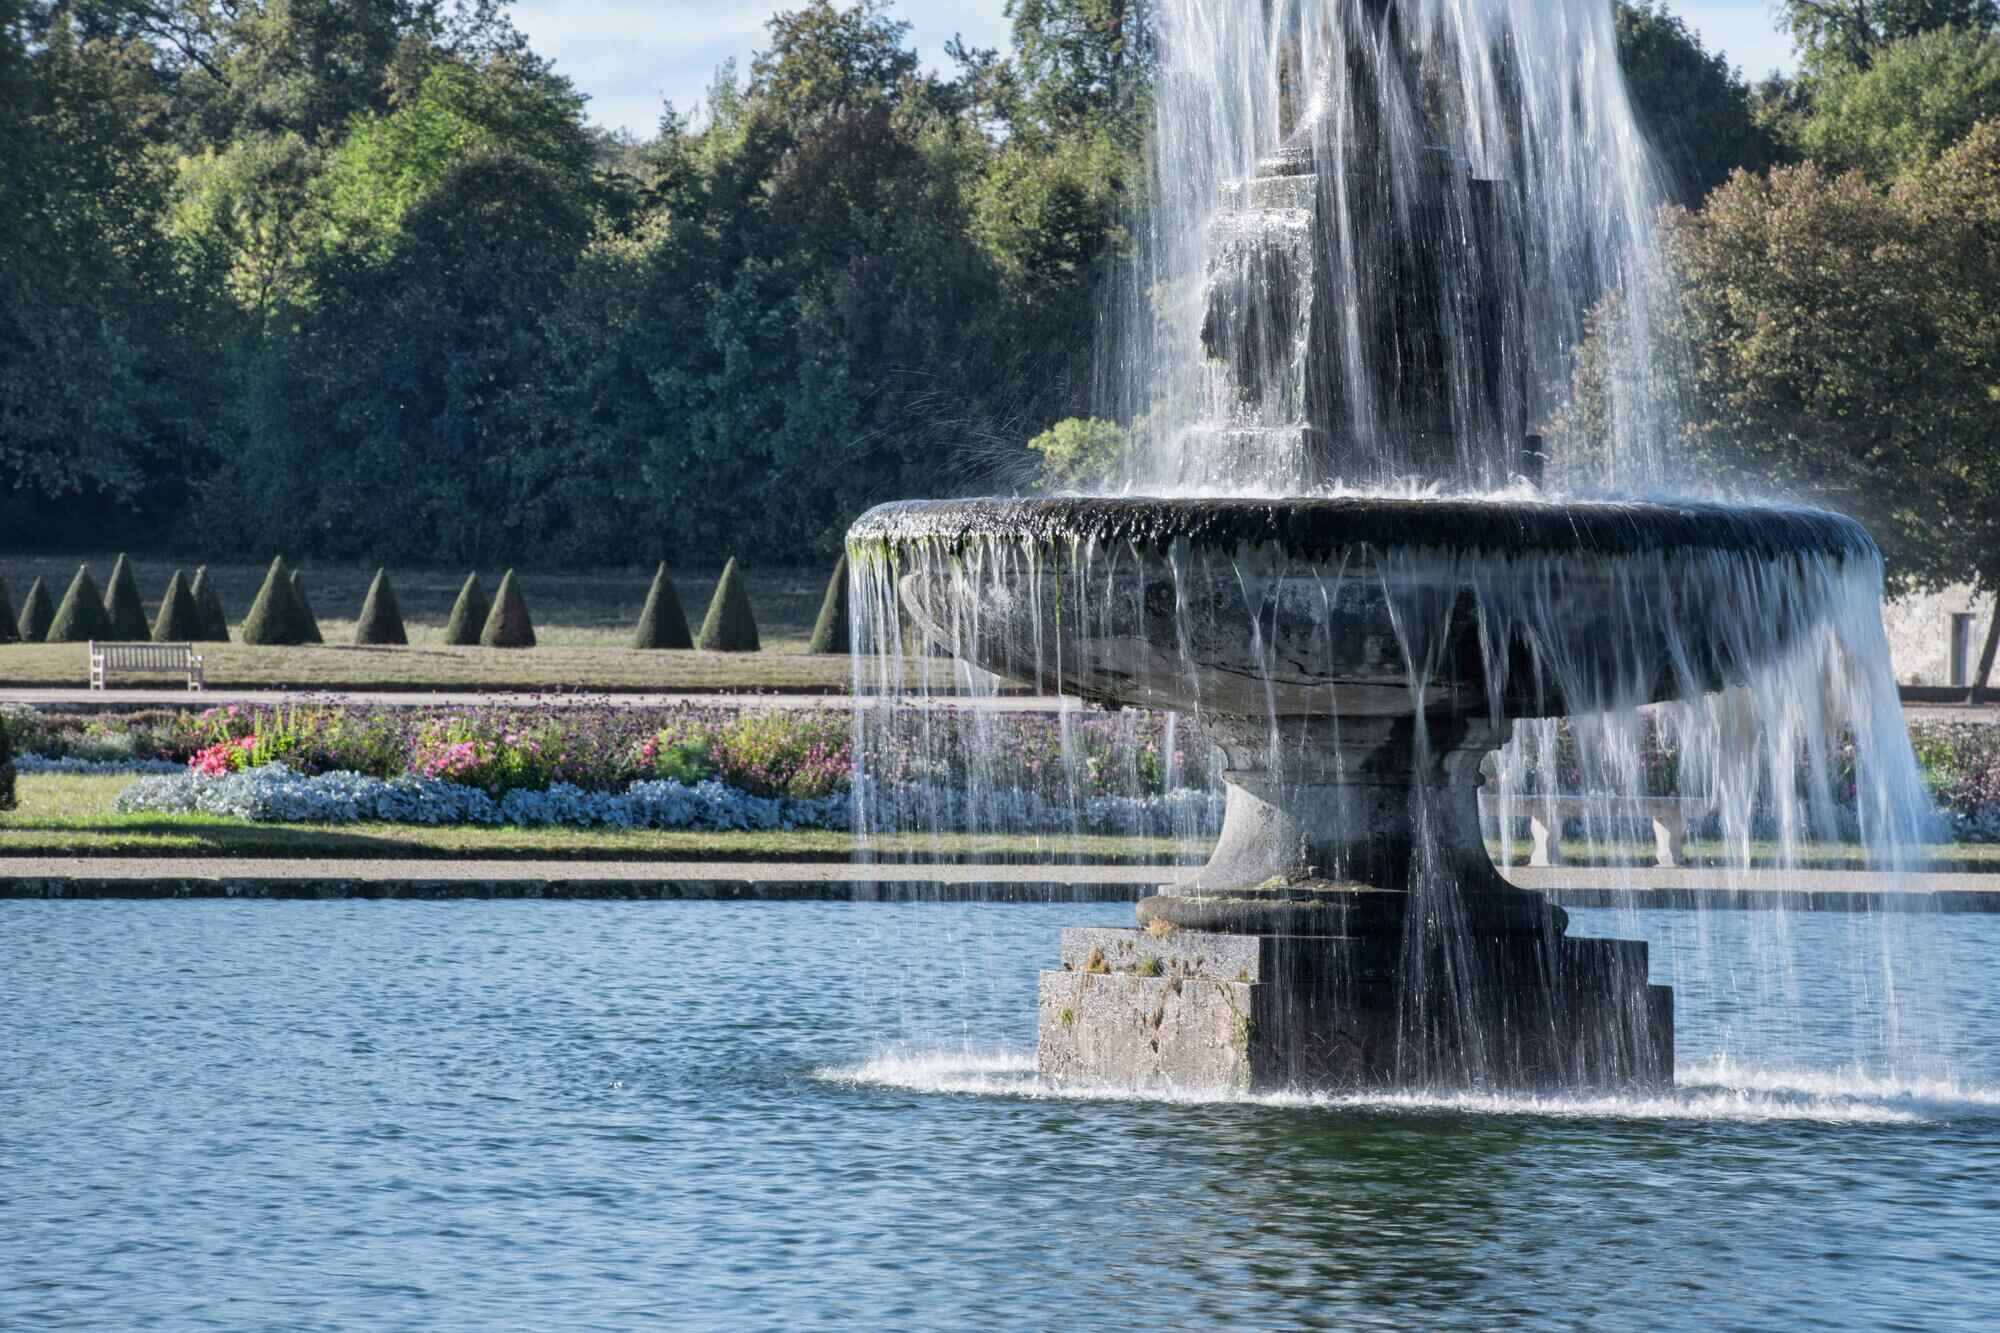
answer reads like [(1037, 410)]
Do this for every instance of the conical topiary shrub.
[(179, 619), (468, 614), (507, 624), (7, 799), (305, 608), (36, 613), (730, 625), (381, 618), (10, 622), (82, 615), (276, 619), (830, 631), (662, 623), (208, 605), (122, 604)]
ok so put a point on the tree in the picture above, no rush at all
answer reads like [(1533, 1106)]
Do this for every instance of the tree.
[(468, 614), (662, 622), (507, 624), (381, 619), (730, 625), (179, 618), (1819, 309), (1694, 107), (1850, 32), (276, 618), (832, 632), (1914, 100)]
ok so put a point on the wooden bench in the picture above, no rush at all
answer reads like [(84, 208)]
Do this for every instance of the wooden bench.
[(1670, 816), (106, 658)]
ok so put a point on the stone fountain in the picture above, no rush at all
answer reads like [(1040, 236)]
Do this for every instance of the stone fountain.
[(1357, 656)]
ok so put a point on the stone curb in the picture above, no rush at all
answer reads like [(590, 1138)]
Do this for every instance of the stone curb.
[(585, 889)]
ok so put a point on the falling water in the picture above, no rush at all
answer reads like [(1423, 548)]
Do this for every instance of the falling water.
[(1376, 231)]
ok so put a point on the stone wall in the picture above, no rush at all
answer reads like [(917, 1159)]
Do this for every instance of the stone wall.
[(1920, 633)]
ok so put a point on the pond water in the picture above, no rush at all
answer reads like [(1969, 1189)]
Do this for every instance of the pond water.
[(583, 1116)]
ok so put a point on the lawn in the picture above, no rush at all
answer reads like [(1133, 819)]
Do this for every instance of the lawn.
[(583, 624), (74, 816)]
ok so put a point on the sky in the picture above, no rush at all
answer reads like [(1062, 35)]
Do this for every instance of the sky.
[(633, 55)]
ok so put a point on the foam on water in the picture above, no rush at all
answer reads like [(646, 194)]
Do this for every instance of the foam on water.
[(1717, 1090)]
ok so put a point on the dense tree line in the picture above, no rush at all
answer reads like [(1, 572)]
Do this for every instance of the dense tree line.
[(356, 277)]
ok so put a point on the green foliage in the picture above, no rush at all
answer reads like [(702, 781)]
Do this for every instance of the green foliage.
[(730, 625), (1081, 452), (213, 620), (832, 631), (8, 799), (276, 616), (1901, 111), (662, 622), (1851, 32), (179, 617), (311, 621), (1820, 308), (381, 619), (10, 624), (81, 616), (507, 624), (127, 612), (37, 611), (1695, 108), (468, 614)]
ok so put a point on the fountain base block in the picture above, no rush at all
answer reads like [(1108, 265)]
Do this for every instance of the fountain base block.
[(1166, 1010)]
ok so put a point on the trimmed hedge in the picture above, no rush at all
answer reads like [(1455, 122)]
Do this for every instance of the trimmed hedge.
[(10, 622), (306, 608), (468, 614), (381, 616), (830, 632), (179, 620), (507, 624), (208, 604), (37, 611), (276, 619), (730, 626), (662, 623), (122, 604), (82, 616), (7, 796)]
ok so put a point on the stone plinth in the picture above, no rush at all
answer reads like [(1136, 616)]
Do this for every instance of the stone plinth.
[(1251, 1013)]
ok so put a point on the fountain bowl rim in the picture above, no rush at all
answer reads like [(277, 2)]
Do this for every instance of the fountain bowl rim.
[(1324, 527)]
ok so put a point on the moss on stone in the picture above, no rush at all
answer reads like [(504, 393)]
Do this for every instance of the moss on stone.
[(381, 615), (82, 616), (179, 618), (122, 604), (663, 623), (507, 624), (730, 626), (468, 614)]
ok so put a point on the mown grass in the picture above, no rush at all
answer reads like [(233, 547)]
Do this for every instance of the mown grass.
[(583, 624), (63, 815)]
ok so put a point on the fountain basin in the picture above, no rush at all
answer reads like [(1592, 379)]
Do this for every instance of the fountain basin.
[(1364, 606)]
